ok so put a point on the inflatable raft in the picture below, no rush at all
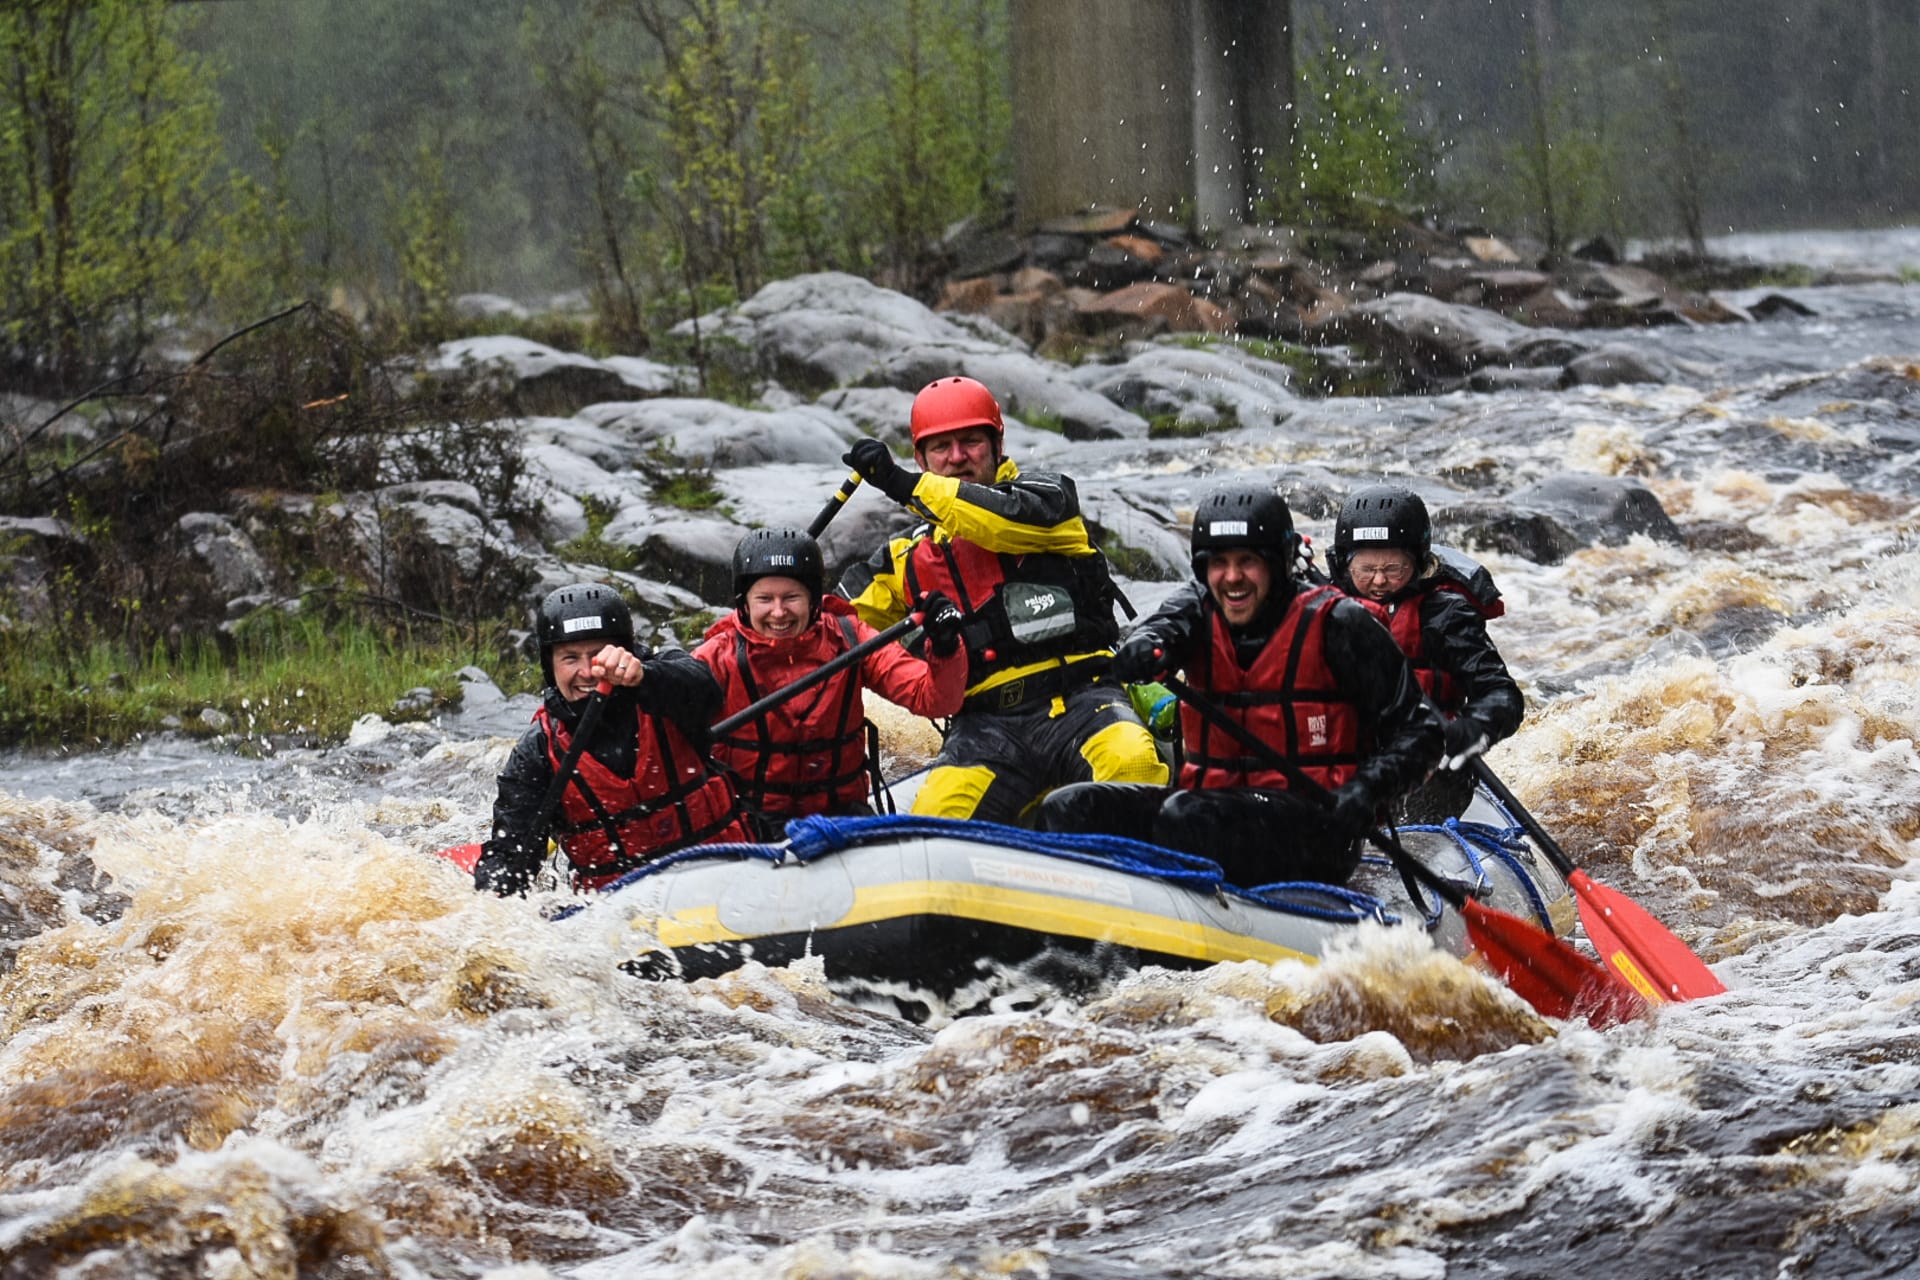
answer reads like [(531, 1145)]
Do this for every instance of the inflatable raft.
[(924, 911)]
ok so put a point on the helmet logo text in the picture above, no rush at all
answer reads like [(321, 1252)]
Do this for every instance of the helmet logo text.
[(1227, 528), (1372, 533), (592, 623)]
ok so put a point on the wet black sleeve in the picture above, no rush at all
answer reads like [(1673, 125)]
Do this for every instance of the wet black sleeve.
[(1456, 641), (1176, 626), (517, 843), (1407, 738), (681, 688)]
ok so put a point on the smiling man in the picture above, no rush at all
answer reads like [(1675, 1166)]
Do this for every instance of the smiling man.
[(1304, 670), (641, 788), (1010, 549), (808, 755)]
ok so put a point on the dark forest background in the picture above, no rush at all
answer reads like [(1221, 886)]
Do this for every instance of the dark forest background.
[(221, 157)]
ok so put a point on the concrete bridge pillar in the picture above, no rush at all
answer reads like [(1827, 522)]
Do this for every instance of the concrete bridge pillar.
[(1171, 106)]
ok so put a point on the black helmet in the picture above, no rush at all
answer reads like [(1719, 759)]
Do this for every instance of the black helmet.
[(787, 553), (1249, 516), (583, 611), (1380, 517)]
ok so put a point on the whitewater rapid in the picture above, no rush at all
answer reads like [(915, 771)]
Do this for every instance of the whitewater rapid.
[(252, 1028)]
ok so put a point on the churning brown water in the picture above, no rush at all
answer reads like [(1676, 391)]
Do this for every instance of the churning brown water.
[(253, 1030)]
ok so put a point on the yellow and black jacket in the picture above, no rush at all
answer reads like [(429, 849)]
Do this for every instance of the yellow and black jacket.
[(1015, 556)]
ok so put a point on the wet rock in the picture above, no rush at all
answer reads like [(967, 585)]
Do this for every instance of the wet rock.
[(1098, 222), (543, 380), (1142, 539), (825, 330), (1611, 366), (712, 433), (215, 719), (1105, 267), (1498, 526), (1778, 304), (488, 306), (1164, 380), (1737, 629), (1600, 249), (985, 252), (1598, 510), (883, 412), (694, 553), (967, 295), (226, 553), (1052, 252), (430, 548), (1428, 337), (1151, 307), (415, 702), (1490, 249)]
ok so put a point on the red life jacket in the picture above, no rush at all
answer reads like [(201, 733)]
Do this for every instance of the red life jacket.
[(609, 825), (1402, 618), (1019, 608), (1288, 699), (809, 754)]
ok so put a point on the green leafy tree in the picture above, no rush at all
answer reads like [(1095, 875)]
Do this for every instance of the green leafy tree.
[(1355, 141), (107, 148), (574, 67), (1561, 176), (730, 102)]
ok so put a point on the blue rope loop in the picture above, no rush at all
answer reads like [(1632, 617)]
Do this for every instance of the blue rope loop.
[(1479, 841), (1351, 907), (739, 850), (814, 837)]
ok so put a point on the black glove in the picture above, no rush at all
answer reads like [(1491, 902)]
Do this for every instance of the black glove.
[(1354, 813), (941, 619), (1137, 660), (498, 874), (1465, 740), (874, 461)]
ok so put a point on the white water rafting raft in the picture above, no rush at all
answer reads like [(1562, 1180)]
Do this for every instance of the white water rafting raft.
[(922, 909)]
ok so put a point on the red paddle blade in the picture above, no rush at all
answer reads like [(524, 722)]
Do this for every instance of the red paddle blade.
[(462, 856), (1546, 971), (1639, 948)]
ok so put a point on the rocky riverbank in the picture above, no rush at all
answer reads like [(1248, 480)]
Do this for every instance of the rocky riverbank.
[(621, 470)]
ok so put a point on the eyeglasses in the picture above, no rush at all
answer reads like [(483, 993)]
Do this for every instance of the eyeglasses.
[(1385, 572)]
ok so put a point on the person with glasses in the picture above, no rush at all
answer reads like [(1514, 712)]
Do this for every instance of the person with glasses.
[(1303, 671), (1436, 603)]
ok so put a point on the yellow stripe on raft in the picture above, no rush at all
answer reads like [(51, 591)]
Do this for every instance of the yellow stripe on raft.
[(991, 904)]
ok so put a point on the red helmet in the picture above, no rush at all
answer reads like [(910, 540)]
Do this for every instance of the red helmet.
[(954, 404)]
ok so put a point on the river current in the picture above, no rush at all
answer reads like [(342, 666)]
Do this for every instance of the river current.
[(252, 1029)]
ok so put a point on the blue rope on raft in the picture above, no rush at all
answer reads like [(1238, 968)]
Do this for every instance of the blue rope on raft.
[(815, 837), (1478, 841)]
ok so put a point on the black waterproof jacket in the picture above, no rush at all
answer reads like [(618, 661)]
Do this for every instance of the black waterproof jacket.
[(676, 686), (1403, 731), (1454, 635)]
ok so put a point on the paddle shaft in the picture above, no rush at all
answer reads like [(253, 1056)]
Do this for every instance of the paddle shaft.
[(834, 505), (1544, 970), (825, 671), (1297, 777), (1548, 845), (589, 717)]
